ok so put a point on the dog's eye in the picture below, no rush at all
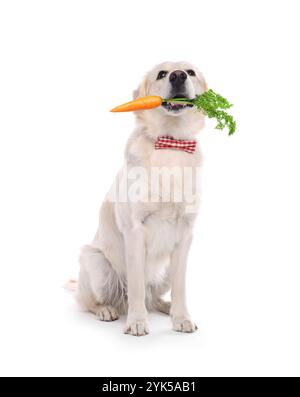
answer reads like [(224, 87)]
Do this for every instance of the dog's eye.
[(161, 74), (190, 72)]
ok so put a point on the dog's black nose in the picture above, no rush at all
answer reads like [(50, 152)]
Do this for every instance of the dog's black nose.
[(177, 77)]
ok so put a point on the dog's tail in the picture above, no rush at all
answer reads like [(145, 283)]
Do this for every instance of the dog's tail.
[(71, 285)]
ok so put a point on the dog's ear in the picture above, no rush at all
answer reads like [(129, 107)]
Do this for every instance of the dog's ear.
[(205, 85), (141, 90), (203, 82)]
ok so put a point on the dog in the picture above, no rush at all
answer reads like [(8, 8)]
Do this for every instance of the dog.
[(141, 247)]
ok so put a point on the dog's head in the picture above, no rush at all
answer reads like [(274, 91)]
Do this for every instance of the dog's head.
[(172, 80)]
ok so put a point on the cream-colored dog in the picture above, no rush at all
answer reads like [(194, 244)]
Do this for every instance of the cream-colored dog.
[(141, 247)]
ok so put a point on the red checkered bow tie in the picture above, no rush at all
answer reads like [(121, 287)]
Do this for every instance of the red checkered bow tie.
[(167, 142)]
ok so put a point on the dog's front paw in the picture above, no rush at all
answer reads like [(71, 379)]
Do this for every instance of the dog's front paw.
[(182, 324), (137, 328)]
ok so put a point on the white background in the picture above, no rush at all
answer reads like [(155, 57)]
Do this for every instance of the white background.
[(63, 65)]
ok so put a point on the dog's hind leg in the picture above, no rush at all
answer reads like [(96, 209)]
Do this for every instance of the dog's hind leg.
[(162, 306), (156, 301), (91, 294)]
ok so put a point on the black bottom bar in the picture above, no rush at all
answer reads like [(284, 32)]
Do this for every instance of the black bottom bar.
[(133, 386)]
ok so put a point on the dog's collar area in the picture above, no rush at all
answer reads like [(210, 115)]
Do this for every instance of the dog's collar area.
[(167, 142)]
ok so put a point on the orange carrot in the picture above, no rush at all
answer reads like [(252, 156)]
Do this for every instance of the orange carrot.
[(147, 102)]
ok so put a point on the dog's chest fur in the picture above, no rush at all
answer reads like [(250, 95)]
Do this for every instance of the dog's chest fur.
[(164, 222), (163, 231)]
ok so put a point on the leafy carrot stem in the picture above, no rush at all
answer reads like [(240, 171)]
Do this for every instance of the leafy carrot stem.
[(213, 105)]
